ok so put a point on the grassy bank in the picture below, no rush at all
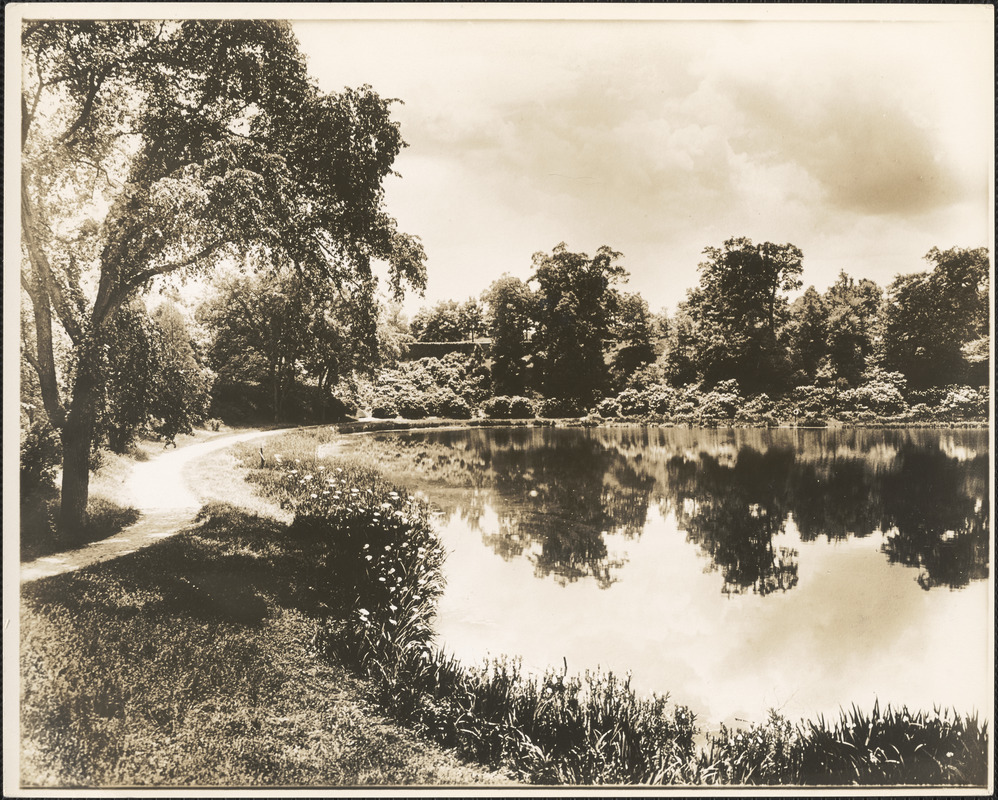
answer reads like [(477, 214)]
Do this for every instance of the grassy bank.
[(192, 663), (382, 572)]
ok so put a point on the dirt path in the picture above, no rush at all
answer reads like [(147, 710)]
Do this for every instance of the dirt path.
[(167, 502)]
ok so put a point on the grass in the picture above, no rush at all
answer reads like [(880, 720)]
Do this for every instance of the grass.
[(190, 663), (39, 537)]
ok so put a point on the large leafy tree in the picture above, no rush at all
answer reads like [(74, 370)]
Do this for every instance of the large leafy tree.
[(634, 330), (449, 321), (509, 319), (933, 320), (576, 305), (274, 328), (162, 148), (853, 325), (739, 309), (807, 330)]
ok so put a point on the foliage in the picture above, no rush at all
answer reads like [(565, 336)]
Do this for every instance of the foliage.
[(738, 312), (881, 748), (721, 402), (448, 387), (502, 407), (554, 408), (40, 452), (880, 391), (807, 330), (167, 148), (509, 320), (449, 321), (277, 330), (930, 317), (574, 313), (182, 384), (150, 377), (634, 331), (852, 325)]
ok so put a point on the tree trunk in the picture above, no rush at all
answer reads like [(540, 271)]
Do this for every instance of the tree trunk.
[(77, 437)]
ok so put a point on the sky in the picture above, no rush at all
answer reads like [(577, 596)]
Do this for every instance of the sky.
[(864, 143)]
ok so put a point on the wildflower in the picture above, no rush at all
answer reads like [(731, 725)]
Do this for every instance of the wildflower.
[(313, 495), (392, 621), (363, 612), (366, 545), (393, 607), (949, 754), (368, 557), (382, 579)]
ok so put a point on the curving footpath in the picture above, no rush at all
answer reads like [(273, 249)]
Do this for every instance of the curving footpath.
[(159, 492)]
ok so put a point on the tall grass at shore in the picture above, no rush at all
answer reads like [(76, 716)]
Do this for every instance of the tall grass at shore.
[(377, 581)]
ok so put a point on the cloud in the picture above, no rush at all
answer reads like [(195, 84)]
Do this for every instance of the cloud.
[(867, 155), (864, 144)]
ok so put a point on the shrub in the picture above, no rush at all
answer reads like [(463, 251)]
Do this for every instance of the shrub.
[(721, 402), (662, 399), (757, 409), (41, 450), (881, 392), (385, 411), (380, 574), (608, 408), (554, 408), (412, 408), (962, 402), (521, 408), (632, 403), (452, 406), (498, 407)]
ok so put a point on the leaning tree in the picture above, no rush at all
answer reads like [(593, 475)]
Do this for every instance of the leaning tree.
[(156, 149)]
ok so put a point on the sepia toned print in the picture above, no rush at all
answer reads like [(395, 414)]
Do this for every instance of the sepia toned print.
[(499, 398)]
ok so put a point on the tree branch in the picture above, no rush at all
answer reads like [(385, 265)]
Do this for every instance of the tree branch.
[(43, 270)]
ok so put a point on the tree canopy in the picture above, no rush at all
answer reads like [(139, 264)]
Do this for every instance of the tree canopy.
[(167, 148), (932, 317)]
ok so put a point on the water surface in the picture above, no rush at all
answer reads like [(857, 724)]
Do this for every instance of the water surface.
[(739, 570)]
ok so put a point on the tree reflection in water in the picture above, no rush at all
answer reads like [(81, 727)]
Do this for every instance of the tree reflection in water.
[(555, 503), (557, 493), (732, 512)]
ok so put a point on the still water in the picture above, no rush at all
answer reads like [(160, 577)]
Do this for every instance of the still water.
[(738, 570)]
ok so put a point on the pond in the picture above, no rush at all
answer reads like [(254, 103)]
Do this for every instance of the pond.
[(739, 570)]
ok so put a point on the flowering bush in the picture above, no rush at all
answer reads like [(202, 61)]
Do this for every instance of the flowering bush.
[(380, 575), (961, 402), (608, 408), (633, 403), (880, 392)]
